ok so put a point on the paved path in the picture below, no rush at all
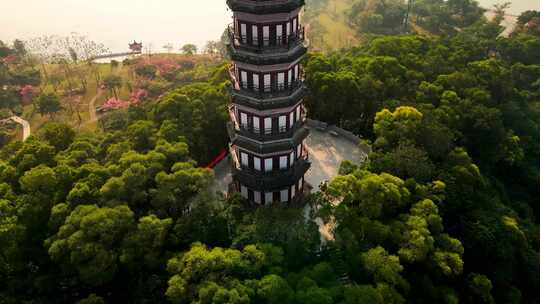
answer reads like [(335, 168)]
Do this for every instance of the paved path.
[(25, 125), (92, 106)]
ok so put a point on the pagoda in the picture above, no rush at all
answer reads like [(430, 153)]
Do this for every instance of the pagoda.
[(267, 128), (136, 47)]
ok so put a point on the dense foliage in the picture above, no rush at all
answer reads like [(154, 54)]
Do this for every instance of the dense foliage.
[(460, 112)]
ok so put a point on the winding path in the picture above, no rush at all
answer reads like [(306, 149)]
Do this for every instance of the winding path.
[(92, 106), (25, 125)]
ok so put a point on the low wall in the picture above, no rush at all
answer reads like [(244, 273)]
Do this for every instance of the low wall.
[(323, 126), (316, 124)]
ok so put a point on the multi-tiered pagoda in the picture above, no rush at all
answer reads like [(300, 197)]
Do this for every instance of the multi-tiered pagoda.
[(267, 129)]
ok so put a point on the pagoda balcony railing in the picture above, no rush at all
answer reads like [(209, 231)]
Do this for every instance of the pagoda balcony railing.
[(266, 45), (269, 134), (237, 166), (265, 6), (265, 92), (274, 173)]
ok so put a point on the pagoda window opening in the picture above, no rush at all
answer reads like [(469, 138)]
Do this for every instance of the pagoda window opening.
[(268, 198), (257, 197), (243, 120), (268, 164), (256, 124), (245, 159), (283, 162), (281, 81), (257, 163), (256, 84), (244, 79), (290, 78), (244, 191), (255, 35), (266, 35), (279, 34), (243, 33), (268, 125), (282, 124), (284, 195), (267, 82)]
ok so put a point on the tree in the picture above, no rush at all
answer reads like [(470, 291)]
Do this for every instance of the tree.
[(481, 287), (87, 242), (274, 289), (143, 246), (48, 103), (385, 268), (40, 179), (9, 98), (211, 47), (142, 134), (20, 47), (189, 49), (203, 274), (362, 294), (146, 70), (57, 135), (92, 299), (400, 125), (374, 195), (113, 83), (114, 64), (174, 190), (405, 161)]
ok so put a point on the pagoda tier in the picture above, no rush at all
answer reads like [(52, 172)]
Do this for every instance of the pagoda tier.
[(267, 128), (264, 7)]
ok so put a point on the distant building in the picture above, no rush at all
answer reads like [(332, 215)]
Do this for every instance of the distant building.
[(267, 128), (136, 47)]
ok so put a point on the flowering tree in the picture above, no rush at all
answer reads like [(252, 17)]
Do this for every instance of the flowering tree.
[(10, 58), (139, 95), (28, 92), (114, 104)]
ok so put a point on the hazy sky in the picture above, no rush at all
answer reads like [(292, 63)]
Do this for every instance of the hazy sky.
[(517, 6), (117, 22)]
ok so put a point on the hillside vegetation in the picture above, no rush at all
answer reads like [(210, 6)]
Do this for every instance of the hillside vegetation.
[(337, 24)]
